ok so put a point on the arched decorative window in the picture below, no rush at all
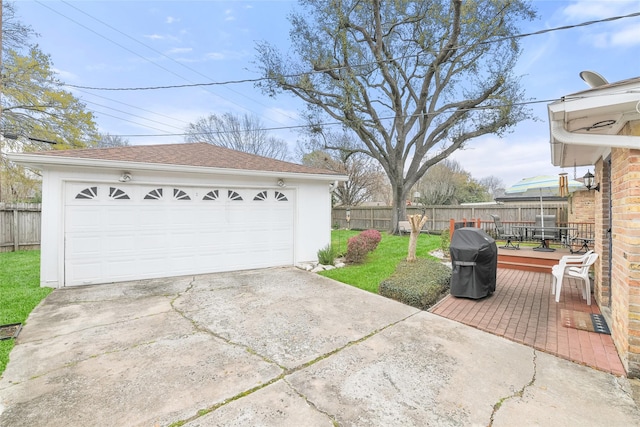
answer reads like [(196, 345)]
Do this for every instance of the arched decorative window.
[(234, 196), (211, 195), (180, 195), (281, 197), (116, 193), (261, 196), (88, 193), (154, 194)]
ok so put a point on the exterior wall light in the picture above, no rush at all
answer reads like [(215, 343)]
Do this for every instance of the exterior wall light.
[(281, 183), (589, 180), (125, 177)]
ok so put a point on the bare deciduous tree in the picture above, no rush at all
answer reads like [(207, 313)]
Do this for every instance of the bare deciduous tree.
[(414, 80), (364, 182), (106, 140), (243, 133)]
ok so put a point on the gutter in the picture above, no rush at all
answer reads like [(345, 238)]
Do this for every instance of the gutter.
[(560, 135)]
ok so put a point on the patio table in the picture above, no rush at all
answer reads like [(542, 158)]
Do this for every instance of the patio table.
[(546, 234)]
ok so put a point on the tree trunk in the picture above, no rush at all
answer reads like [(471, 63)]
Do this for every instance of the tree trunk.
[(399, 206), (416, 222)]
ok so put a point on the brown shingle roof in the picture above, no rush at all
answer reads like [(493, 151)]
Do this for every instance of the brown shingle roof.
[(189, 154)]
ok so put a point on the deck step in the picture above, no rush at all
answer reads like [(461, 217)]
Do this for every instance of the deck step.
[(527, 259)]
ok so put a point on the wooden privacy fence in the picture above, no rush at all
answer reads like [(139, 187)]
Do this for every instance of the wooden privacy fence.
[(379, 217), (19, 226)]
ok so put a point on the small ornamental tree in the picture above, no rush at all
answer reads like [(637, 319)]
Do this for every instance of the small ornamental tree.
[(416, 222)]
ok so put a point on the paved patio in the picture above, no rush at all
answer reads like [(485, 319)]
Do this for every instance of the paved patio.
[(523, 310)]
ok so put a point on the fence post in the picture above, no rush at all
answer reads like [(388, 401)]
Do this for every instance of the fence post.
[(452, 228), (16, 231)]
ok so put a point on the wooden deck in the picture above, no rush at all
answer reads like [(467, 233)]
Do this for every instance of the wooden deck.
[(523, 310)]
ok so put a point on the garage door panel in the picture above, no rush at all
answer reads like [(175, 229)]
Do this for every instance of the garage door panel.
[(109, 239)]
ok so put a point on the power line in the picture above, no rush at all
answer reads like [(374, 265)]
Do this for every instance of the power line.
[(155, 51), (261, 79), (337, 123)]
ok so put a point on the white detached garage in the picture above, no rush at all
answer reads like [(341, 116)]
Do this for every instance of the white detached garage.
[(141, 212)]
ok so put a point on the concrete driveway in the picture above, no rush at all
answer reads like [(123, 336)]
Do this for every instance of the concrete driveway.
[(282, 347)]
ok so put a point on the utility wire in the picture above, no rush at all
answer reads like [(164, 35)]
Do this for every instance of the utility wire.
[(159, 53), (367, 64), (336, 123)]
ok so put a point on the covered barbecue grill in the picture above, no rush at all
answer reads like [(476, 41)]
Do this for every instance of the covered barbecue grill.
[(474, 260)]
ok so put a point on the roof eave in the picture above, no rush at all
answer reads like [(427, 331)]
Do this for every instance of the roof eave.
[(590, 146), (43, 162)]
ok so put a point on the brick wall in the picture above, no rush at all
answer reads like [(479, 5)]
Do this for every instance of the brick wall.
[(625, 256), (581, 206)]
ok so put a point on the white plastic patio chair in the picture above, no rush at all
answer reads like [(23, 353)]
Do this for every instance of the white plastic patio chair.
[(577, 267)]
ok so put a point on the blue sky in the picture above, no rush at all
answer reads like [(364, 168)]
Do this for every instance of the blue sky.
[(157, 43)]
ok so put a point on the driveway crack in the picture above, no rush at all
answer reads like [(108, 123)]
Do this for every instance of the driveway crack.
[(198, 327), (518, 393), (331, 417)]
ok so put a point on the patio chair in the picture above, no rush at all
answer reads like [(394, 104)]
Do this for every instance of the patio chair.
[(577, 267), (502, 235), (540, 233)]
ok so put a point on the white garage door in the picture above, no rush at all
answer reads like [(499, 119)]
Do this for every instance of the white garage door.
[(128, 232)]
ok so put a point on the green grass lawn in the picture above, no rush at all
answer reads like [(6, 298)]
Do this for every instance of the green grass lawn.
[(20, 292), (380, 263)]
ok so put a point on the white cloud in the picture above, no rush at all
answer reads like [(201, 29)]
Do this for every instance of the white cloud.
[(598, 9), (154, 37), (229, 15), (621, 33), (509, 159), (226, 55), (216, 56), (64, 75), (177, 50), (627, 37), (171, 20)]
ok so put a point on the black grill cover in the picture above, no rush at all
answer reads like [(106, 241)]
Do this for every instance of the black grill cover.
[(474, 260)]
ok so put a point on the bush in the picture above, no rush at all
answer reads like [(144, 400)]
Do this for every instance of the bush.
[(372, 238), (357, 249), (445, 241), (359, 246), (327, 255), (419, 284)]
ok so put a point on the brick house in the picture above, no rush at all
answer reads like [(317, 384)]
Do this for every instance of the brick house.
[(600, 127)]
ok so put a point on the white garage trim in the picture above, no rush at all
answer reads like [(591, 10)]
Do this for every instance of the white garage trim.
[(117, 232)]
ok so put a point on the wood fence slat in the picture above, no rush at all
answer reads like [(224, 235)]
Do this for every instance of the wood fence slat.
[(20, 226)]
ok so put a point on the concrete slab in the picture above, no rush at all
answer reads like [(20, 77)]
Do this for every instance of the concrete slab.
[(275, 405), (282, 347), (288, 316), (425, 370)]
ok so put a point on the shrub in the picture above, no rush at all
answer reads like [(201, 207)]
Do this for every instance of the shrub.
[(359, 246), (445, 241), (327, 255), (419, 284), (372, 238), (357, 249)]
